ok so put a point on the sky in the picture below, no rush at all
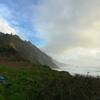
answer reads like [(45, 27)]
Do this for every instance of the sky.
[(67, 30)]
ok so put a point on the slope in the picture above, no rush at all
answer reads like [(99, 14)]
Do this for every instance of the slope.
[(14, 48)]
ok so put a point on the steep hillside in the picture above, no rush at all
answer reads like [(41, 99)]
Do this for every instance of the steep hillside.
[(12, 48)]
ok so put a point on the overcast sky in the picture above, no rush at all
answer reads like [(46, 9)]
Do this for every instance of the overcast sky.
[(67, 30)]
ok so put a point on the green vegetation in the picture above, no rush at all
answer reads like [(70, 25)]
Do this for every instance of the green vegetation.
[(41, 83)]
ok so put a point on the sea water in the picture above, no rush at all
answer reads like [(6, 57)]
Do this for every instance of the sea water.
[(83, 70)]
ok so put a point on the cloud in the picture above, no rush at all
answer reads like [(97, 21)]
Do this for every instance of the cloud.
[(68, 25), (5, 27), (5, 12), (5, 16)]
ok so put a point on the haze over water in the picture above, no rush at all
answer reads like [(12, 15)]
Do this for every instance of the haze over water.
[(83, 70)]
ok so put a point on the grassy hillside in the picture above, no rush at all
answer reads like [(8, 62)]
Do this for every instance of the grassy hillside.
[(42, 83), (15, 49)]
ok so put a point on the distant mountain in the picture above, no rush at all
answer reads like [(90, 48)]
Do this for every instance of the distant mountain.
[(13, 48)]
